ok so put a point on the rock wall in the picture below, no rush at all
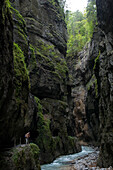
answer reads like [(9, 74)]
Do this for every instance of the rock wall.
[(92, 86), (14, 84), (84, 107), (99, 97), (6, 69), (106, 82), (21, 157), (40, 82)]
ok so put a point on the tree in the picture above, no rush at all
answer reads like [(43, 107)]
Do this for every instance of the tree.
[(62, 3), (80, 28), (91, 13)]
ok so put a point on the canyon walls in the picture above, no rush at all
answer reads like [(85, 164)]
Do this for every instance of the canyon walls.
[(98, 83), (105, 17), (57, 99), (6, 69), (92, 86), (36, 76)]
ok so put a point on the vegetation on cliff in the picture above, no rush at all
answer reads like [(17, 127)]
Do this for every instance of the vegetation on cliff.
[(21, 157), (80, 28), (21, 73), (40, 47)]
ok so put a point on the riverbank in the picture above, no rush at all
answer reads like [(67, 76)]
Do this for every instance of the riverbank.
[(88, 162), (85, 160)]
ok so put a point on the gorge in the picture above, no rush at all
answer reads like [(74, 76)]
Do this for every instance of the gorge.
[(63, 102)]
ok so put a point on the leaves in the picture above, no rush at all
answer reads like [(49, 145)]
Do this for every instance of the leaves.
[(80, 28)]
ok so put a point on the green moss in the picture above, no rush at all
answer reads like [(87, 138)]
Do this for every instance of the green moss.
[(96, 60), (21, 80), (16, 156), (96, 88), (35, 150), (52, 2), (39, 106), (6, 11), (23, 36), (8, 3), (47, 55), (93, 84), (57, 9), (20, 23), (71, 140), (18, 16), (44, 140), (21, 156)]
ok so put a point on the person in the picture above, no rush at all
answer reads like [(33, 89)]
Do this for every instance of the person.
[(27, 136)]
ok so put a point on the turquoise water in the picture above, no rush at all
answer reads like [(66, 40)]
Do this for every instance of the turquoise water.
[(61, 161)]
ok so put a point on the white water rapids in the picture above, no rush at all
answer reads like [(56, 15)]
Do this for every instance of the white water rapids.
[(63, 160)]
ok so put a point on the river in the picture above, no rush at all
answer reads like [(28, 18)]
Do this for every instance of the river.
[(63, 161)]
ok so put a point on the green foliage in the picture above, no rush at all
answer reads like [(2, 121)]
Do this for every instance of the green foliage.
[(91, 13), (62, 3), (76, 32), (80, 28)]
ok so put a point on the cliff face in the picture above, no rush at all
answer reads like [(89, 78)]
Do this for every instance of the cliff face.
[(47, 34), (106, 82), (104, 14), (92, 86), (34, 86), (44, 46), (6, 69), (77, 71), (35, 92), (99, 83), (14, 85), (99, 94)]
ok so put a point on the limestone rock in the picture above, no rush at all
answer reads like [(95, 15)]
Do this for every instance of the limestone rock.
[(40, 31), (6, 70)]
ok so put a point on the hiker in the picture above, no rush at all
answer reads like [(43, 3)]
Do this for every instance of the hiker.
[(27, 136)]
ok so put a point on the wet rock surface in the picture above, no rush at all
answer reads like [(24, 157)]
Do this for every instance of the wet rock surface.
[(85, 160), (88, 162), (100, 85), (20, 157), (6, 72), (41, 33)]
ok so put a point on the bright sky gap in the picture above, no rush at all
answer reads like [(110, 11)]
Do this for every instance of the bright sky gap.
[(74, 5)]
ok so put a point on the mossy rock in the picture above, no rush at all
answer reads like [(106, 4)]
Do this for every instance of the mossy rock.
[(48, 57), (44, 139), (52, 136), (21, 80), (22, 157)]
